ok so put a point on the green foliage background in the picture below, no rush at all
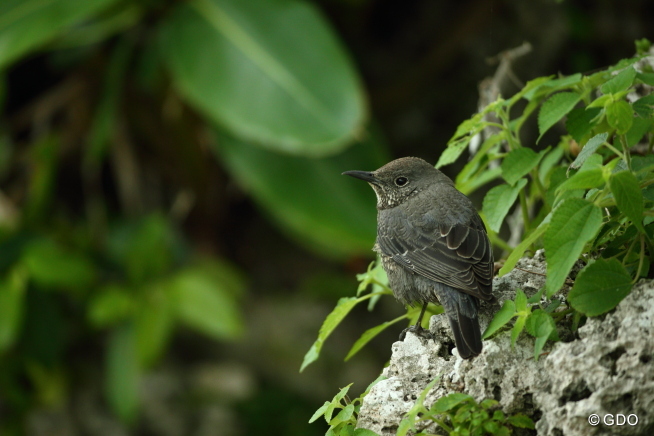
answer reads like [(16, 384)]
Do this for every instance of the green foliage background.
[(170, 189)]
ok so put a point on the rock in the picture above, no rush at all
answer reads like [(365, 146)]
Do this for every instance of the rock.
[(609, 369)]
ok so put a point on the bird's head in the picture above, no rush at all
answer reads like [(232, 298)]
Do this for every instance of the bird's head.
[(400, 180)]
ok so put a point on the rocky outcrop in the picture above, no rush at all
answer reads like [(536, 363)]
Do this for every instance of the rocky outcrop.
[(607, 372)]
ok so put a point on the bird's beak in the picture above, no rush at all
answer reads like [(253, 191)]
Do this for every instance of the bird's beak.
[(363, 175)]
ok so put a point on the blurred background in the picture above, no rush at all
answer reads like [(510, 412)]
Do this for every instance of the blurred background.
[(173, 224)]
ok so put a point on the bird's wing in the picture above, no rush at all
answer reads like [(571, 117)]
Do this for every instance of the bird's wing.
[(459, 255)]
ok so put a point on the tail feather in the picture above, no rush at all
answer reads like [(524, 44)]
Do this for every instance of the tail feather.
[(462, 314), (467, 335)]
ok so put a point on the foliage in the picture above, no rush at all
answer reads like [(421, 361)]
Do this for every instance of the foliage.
[(588, 199), (341, 413), (539, 322), (137, 286), (459, 414), (376, 281), (264, 87)]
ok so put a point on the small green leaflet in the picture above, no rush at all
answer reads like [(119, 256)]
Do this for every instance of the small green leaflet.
[(591, 146), (620, 116), (498, 202), (343, 307)]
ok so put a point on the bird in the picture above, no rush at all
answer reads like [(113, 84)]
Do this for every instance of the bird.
[(433, 246)]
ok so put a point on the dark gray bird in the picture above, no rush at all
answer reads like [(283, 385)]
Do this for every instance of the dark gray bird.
[(433, 245)]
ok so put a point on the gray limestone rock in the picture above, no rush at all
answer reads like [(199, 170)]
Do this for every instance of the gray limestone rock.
[(608, 370)]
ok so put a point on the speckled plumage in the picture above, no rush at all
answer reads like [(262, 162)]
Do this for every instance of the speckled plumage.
[(433, 244)]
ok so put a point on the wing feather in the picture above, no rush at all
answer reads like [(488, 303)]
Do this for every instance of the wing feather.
[(457, 255)]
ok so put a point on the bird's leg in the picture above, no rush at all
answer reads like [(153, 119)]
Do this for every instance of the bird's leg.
[(417, 328)]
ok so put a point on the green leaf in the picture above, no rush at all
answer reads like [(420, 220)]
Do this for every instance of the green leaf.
[(453, 151), (520, 301), (593, 178), (12, 306), (551, 85), (552, 158), (644, 106), (476, 182), (143, 247), (498, 201), (519, 162), (25, 25), (620, 116), (555, 108), (573, 223), (110, 305), (642, 164), (122, 374), (518, 251), (154, 324), (51, 266), (368, 335), (329, 213), (469, 127), (620, 82), (449, 402), (521, 421), (344, 415), (202, 302), (500, 319), (600, 102), (540, 324), (343, 307), (320, 412), (600, 287), (628, 196), (591, 147), (336, 401), (647, 78), (581, 121), (638, 129), (479, 161), (517, 329), (271, 72)]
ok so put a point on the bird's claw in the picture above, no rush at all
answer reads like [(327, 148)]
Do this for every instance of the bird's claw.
[(418, 331)]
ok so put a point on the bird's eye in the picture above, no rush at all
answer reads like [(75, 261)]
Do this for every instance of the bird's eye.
[(401, 181)]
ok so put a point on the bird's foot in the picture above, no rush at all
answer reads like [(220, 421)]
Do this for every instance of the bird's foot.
[(418, 331)]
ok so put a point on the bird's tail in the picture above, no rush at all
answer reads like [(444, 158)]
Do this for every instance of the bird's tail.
[(465, 325)]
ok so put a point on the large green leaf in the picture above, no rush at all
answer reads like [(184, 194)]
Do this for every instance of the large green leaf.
[(599, 287), (270, 71), (27, 24), (321, 209), (573, 223)]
